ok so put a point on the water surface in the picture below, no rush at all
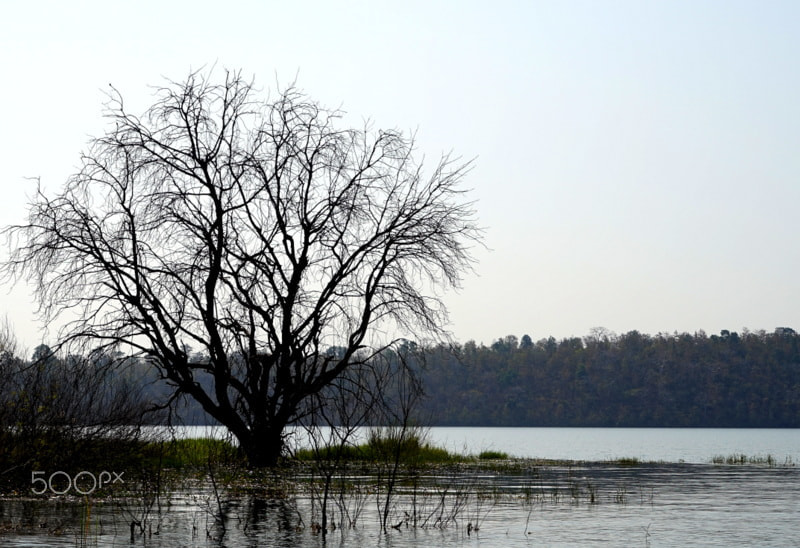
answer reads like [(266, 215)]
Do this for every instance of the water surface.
[(683, 501)]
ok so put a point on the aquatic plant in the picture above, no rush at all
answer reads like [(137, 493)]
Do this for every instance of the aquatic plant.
[(741, 458)]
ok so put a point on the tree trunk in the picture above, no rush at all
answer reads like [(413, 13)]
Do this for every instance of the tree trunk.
[(263, 447)]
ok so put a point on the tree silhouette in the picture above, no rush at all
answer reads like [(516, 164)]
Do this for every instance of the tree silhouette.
[(256, 231)]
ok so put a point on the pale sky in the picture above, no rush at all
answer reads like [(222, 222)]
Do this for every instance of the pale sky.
[(637, 163)]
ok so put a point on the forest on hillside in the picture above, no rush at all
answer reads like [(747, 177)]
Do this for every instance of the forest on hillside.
[(748, 379)]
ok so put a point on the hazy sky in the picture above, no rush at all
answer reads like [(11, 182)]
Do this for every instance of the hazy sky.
[(637, 163)]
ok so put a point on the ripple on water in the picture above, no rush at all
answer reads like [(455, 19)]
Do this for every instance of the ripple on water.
[(588, 505)]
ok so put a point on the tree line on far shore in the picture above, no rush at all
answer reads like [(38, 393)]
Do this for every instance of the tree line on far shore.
[(748, 379)]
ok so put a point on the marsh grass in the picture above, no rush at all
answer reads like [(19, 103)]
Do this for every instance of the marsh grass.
[(627, 461), (412, 450), (493, 455), (193, 453), (741, 458)]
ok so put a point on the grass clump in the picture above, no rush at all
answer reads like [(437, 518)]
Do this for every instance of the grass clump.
[(493, 455), (384, 445), (627, 461), (409, 445)]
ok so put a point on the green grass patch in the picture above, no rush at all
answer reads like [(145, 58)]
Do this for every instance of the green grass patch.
[(627, 461), (383, 446), (493, 455)]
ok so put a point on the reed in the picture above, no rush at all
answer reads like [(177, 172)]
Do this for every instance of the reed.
[(741, 458), (412, 450)]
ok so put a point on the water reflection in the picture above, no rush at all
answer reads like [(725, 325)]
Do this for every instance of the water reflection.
[(609, 505)]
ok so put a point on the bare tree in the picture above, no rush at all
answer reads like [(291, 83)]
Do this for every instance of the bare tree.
[(256, 230)]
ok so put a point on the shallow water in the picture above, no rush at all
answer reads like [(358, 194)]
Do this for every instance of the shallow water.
[(595, 505)]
